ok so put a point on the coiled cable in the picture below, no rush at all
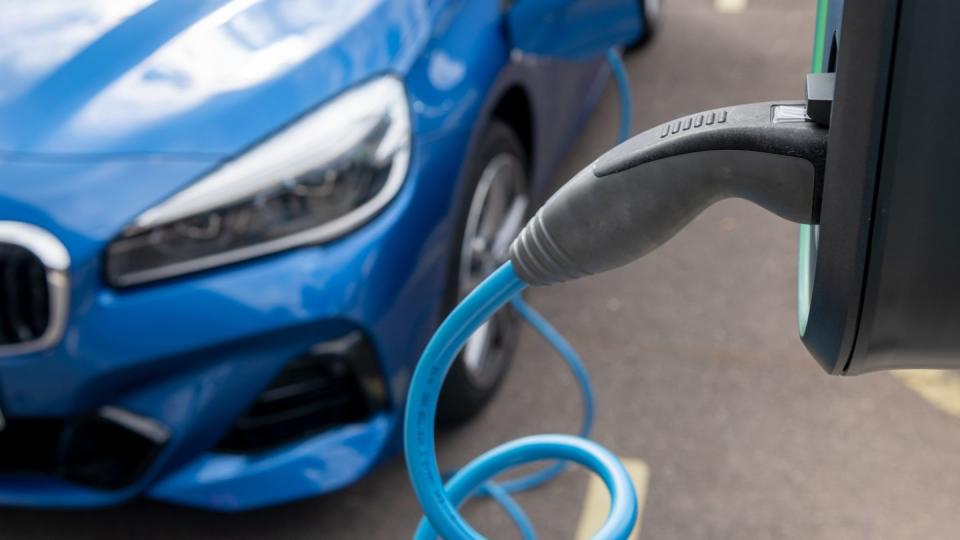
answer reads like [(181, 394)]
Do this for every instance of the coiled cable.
[(439, 502)]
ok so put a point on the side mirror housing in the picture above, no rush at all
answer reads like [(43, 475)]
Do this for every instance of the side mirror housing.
[(573, 29)]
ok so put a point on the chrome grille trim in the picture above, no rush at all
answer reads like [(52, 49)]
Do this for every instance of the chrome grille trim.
[(56, 261)]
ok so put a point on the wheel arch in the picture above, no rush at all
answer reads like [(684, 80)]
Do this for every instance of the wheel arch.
[(515, 108)]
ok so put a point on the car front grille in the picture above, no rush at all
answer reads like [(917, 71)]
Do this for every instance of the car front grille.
[(24, 296), (34, 288)]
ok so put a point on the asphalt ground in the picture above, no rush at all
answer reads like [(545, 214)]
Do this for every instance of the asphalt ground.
[(699, 372)]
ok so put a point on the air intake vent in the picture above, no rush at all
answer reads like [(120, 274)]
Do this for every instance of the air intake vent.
[(106, 450), (335, 383), (33, 288)]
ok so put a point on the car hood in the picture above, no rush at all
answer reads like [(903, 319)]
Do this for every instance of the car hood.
[(86, 202), (204, 78)]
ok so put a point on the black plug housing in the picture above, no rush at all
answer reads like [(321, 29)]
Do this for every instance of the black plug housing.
[(642, 192)]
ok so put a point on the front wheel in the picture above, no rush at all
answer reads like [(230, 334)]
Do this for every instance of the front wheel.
[(491, 210)]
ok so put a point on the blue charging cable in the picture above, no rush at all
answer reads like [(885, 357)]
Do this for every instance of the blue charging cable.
[(440, 502), (501, 491), (623, 89)]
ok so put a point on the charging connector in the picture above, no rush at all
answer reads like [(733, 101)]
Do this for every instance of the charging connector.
[(642, 192)]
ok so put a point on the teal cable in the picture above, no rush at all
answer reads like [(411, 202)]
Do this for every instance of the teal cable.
[(501, 491), (587, 453), (513, 509), (623, 90), (569, 355), (550, 334), (440, 502)]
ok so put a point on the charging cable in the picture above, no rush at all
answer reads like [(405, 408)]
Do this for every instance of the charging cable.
[(620, 207), (501, 491), (440, 502), (623, 90)]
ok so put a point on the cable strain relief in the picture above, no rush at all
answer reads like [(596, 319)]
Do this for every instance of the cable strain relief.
[(537, 258)]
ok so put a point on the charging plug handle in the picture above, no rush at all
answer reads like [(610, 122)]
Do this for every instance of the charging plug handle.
[(642, 192)]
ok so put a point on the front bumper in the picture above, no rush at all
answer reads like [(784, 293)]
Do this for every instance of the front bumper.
[(193, 354)]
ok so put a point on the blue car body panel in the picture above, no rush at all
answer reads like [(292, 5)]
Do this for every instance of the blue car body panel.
[(208, 77), (119, 109)]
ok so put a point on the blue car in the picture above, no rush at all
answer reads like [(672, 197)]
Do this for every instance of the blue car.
[(227, 228)]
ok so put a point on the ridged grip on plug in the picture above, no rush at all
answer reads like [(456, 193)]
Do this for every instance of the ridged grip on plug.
[(538, 258), (640, 194)]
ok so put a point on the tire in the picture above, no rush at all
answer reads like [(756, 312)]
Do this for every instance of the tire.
[(497, 165)]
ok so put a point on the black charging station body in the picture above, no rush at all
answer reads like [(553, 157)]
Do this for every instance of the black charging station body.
[(885, 258), (867, 164)]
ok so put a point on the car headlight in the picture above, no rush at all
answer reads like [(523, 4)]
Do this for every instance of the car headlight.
[(317, 179)]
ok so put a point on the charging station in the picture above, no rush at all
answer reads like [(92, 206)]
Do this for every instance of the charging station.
[(883, 262)]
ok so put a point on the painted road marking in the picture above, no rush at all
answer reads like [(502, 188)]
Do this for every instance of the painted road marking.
[(729, 6), (940, 387), (596, 505)]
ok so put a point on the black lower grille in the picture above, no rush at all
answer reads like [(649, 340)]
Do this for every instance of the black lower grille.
[(93, 450), (334, 383), (30, 445), (24, 296), (101, 452)]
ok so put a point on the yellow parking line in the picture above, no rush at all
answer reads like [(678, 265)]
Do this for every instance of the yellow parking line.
[(596, 505), (941, 388), (729, 6)]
